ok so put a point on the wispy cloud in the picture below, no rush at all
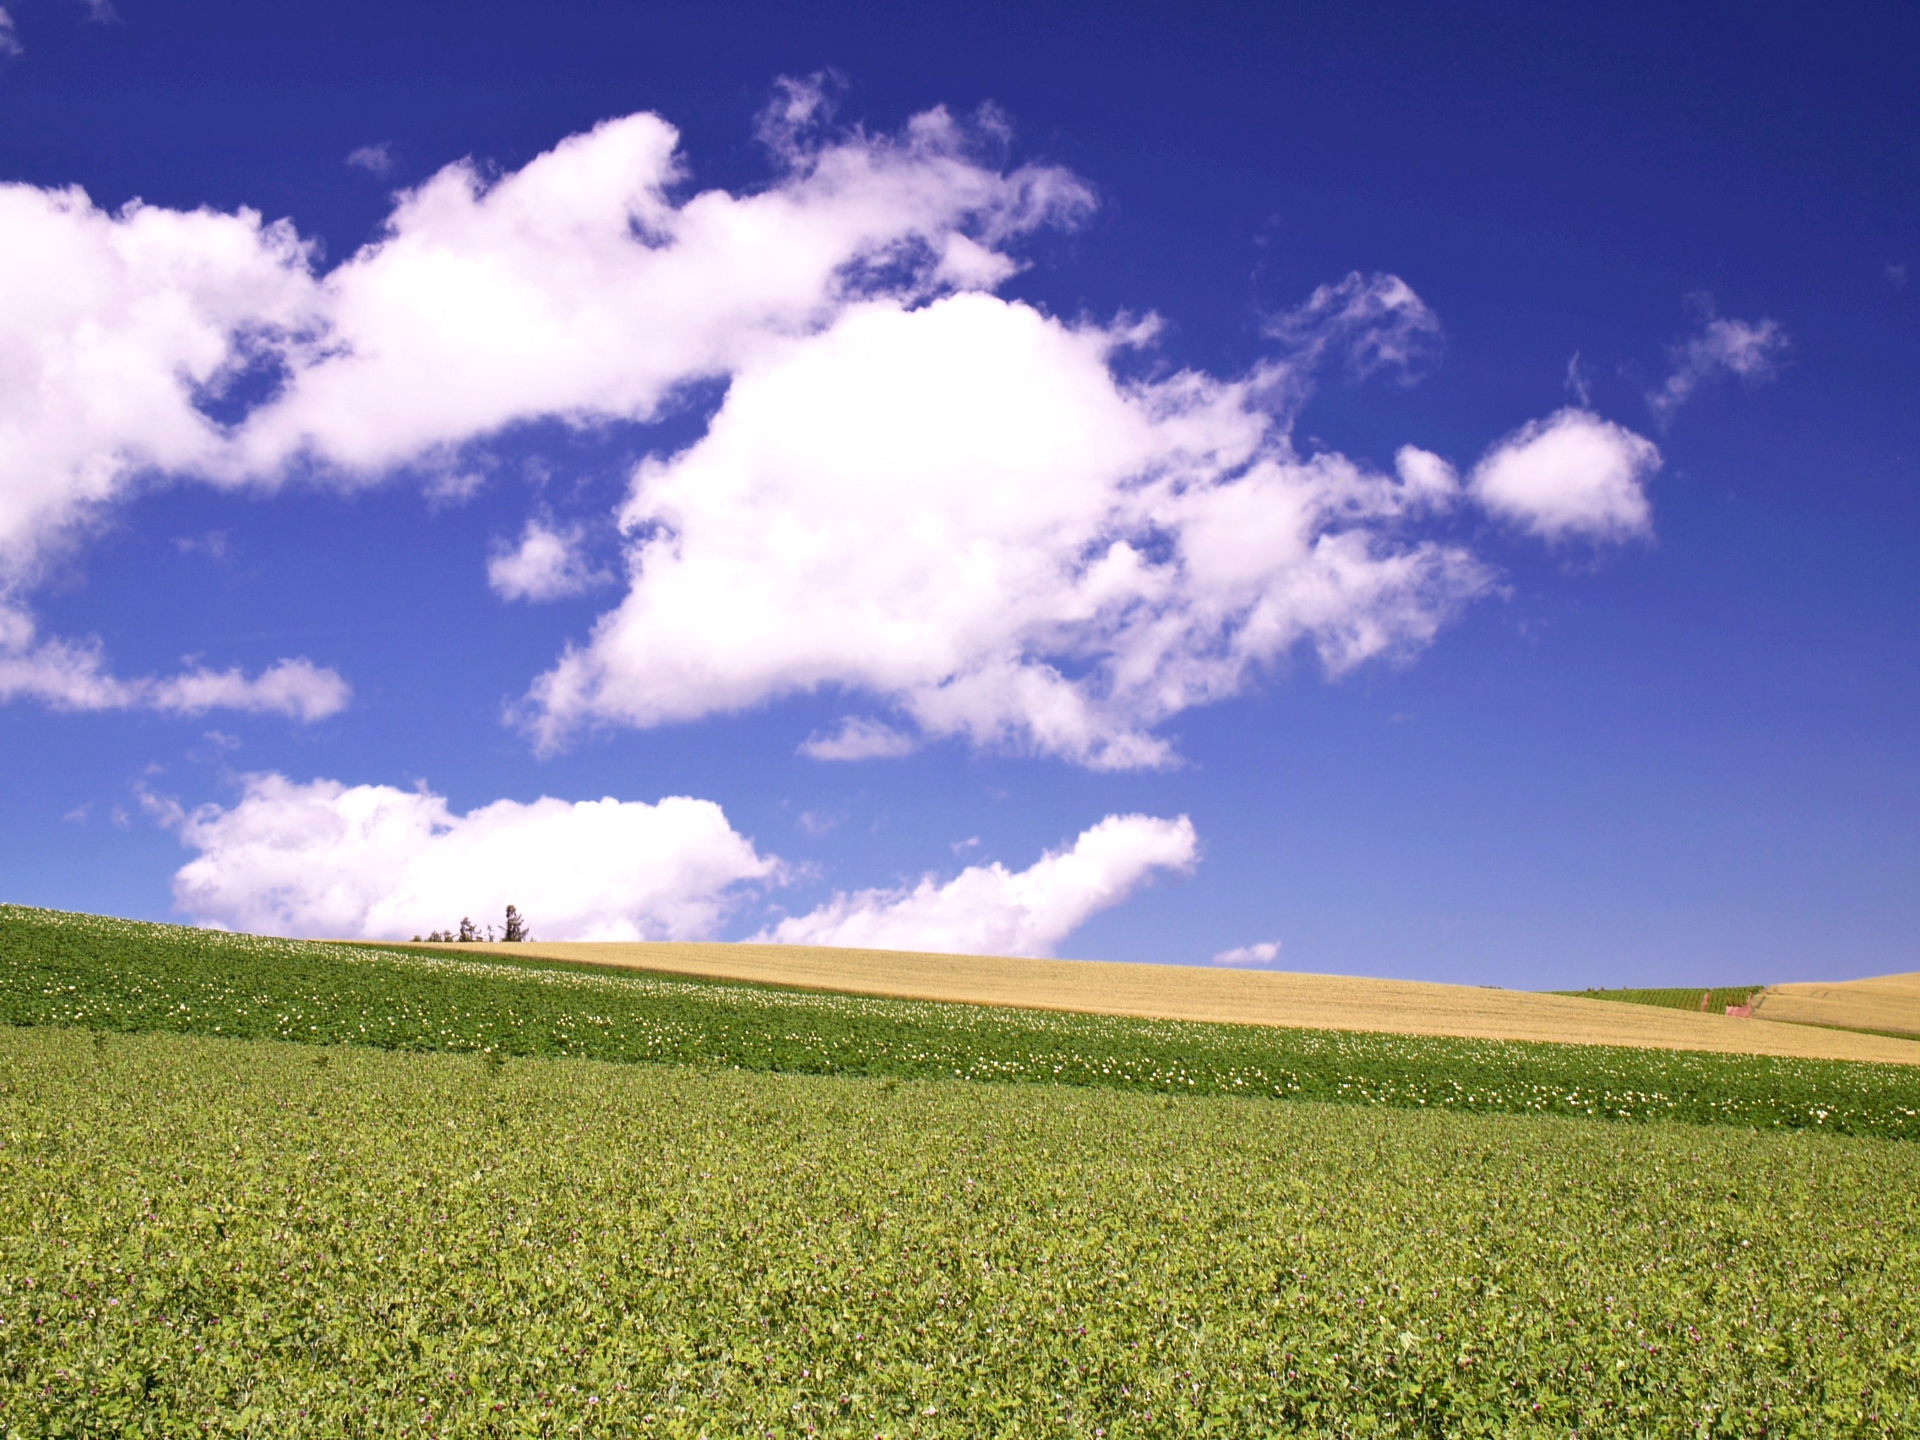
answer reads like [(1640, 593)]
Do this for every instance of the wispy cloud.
[(858, 738), (1370, 323), (214, 544), (819, 822), (76, 676), (9, 36), (374, 159), (1264, 953), (1748, 350), (1578, 388)]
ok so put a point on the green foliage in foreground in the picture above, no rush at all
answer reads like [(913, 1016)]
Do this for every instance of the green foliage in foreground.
[(58, 969), (271, 1239), (1718, 998)]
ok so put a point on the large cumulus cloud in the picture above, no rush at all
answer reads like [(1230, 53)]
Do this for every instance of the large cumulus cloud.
[(960, 510), (328, 859), (951, 507)]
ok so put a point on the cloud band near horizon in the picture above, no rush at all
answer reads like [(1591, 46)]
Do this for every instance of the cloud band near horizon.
[(325, 859)]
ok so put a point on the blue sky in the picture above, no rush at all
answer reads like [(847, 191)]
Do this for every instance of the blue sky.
[(1428, 490)]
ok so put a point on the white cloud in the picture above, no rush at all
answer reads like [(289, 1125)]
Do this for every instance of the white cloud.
[(214, 544), (296, 688), (858, 738), (819, 822), (959, 508), (578, 286), (70, 676), (989, 910), (1431, 483), (1375, 322), (1578, 387), (940, 502), (374, 159), (1264, 953), (1749, 350), (327, 859), (9, 37), (1570, 476), (112, 328), (547, 564)]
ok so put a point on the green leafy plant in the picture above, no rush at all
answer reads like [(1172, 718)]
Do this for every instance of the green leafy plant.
[(203, 1236)]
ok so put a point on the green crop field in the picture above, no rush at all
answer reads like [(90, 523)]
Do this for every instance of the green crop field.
[(59, 969), (443, 1212), (1683, 999), (259, 1238)]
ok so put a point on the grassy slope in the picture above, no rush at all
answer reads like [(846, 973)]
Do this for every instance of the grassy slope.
[(119, 975), (277, 1239)]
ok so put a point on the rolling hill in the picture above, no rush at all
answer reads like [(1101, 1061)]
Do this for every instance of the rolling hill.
[(1255, 997)]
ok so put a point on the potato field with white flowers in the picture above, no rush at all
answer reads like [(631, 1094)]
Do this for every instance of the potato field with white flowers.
[(264, 1188)]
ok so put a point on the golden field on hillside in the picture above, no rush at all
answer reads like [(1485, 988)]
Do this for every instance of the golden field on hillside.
[(1884, 1002), (1253, 997)]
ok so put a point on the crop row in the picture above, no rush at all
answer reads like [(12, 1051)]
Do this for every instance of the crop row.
[(61, 969), (1718, 998)]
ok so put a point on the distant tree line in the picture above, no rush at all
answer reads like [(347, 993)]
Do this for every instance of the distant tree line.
[(514, 932)]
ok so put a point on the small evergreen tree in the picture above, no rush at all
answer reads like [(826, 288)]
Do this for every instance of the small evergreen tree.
[(516, 927)]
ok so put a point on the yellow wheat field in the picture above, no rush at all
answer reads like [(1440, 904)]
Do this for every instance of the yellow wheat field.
[(1251, 997), (1884, 1002)]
